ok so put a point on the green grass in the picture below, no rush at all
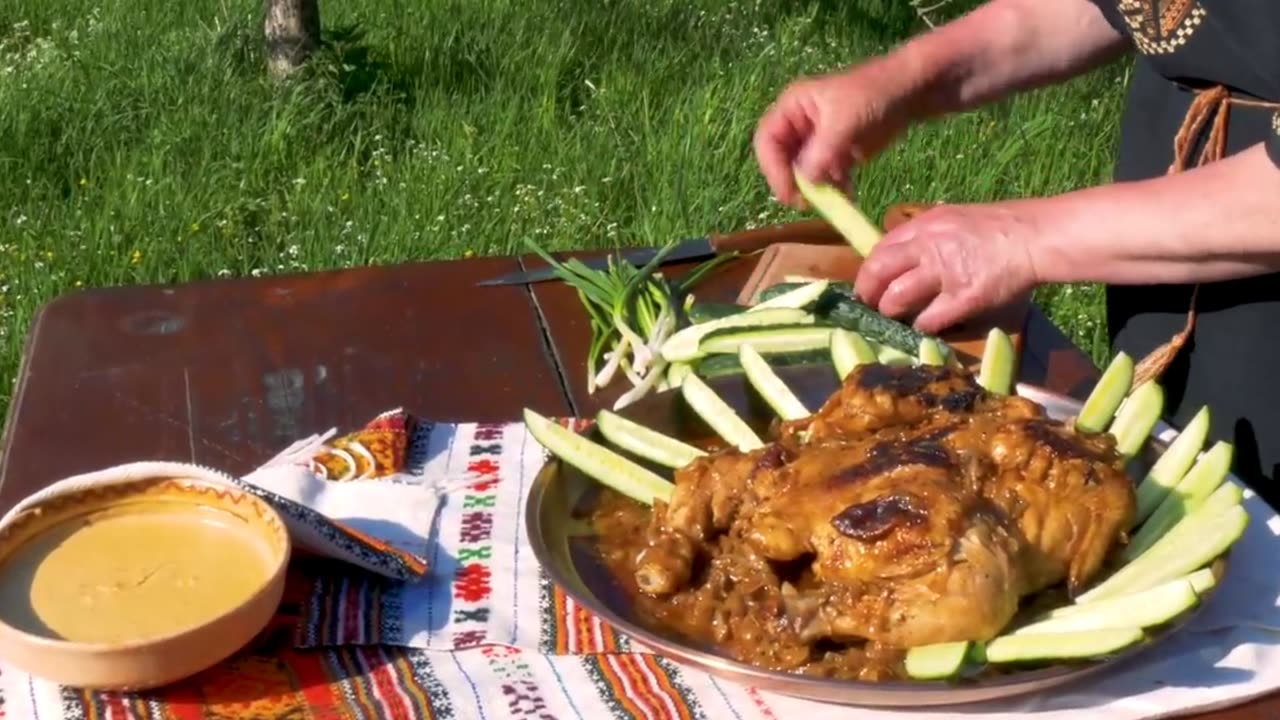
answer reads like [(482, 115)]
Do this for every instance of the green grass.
[(141, 143)]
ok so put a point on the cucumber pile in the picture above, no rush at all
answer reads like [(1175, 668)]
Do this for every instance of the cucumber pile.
[(798, 322), (1189, 513), (647, 330)]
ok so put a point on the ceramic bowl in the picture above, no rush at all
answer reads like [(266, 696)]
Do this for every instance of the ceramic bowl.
[(137, 584)]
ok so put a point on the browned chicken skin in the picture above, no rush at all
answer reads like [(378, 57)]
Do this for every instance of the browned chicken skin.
[(920, 508)]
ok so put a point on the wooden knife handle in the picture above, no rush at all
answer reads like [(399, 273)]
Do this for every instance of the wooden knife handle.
[(902, 212), (815, 231)]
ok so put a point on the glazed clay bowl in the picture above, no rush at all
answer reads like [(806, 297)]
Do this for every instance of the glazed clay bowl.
[(138, 579)]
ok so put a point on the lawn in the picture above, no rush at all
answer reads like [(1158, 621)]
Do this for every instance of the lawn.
[(140, 142)]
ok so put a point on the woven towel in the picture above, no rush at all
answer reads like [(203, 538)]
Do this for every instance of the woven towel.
[(487, 588), (367, 498)]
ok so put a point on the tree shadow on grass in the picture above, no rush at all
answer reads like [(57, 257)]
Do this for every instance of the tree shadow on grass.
[(346, 66), (462, 63), (886, 22), (356, 69)]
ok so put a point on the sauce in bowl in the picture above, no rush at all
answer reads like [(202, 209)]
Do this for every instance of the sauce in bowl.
[(132, 572)]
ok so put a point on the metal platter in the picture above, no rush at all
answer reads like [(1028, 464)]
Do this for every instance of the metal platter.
[(561, 499)]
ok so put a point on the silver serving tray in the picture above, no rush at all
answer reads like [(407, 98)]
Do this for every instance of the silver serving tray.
[(561, 498)]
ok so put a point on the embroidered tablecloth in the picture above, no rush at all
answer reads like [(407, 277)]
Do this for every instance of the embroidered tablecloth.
[(485, 635)]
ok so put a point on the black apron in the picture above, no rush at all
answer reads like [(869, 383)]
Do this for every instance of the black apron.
[(1231, 356)]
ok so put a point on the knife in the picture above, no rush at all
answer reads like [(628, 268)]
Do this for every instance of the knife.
[(814, 231)]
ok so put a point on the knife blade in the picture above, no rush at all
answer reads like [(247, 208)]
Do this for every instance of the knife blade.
[(693, 249), (810, 231)]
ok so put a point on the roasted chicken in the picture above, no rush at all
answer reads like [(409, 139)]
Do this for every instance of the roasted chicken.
[(913, 508)]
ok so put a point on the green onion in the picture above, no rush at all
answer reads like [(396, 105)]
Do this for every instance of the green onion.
[(632, 311)]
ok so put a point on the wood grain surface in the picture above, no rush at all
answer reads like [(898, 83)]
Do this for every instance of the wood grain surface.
[(228, 373)]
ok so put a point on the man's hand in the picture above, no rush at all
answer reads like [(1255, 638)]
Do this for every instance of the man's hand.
[(821, 126), (951, 263)]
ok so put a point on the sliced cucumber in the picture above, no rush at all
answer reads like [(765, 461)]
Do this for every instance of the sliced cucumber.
[(1061, 646), (598, 462), (1204, 477), (1227, 495), (799, 279), (648, 444), (937, 661), (718, 415), (676, 373), (931, 353), (1203, 580), (683, 345), (699, 313), (793, 282), (717, 365), (1172, 465), (767, 340), (1102, 403), (999, 363), (770, 386), (1193, 543), (889, 355), (843, 215), (1145, 609), (801, 297), (1137, 417), (849, 350)]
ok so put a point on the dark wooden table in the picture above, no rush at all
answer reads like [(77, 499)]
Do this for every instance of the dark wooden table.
[(226, 373)]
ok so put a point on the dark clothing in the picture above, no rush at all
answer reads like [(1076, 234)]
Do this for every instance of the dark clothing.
[(1235, 43), (1232, 360)]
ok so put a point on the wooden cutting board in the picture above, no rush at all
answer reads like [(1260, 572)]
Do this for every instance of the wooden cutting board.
[(842, 263)]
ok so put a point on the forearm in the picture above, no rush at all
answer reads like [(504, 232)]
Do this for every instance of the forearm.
[(1002, 47), (1217, 222)]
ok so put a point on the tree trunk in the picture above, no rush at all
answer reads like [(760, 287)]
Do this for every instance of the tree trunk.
[(293, 33)]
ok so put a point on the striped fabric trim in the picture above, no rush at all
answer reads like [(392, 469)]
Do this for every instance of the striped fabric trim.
[(367, 683), (640, 687), (352, 610), (382, 683), (92, 705), (570, 629)]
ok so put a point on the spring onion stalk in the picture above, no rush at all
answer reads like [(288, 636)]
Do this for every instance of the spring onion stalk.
[(613, 360), (630, 372), (631, 311), (658, 372)]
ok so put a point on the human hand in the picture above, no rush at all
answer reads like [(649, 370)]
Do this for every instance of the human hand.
[(952, 262), (820, 126)]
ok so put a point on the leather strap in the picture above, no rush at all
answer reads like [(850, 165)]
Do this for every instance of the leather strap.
[(1213, 103)]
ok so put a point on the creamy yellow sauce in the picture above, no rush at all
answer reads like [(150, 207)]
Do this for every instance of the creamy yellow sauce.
[(132, 573)]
